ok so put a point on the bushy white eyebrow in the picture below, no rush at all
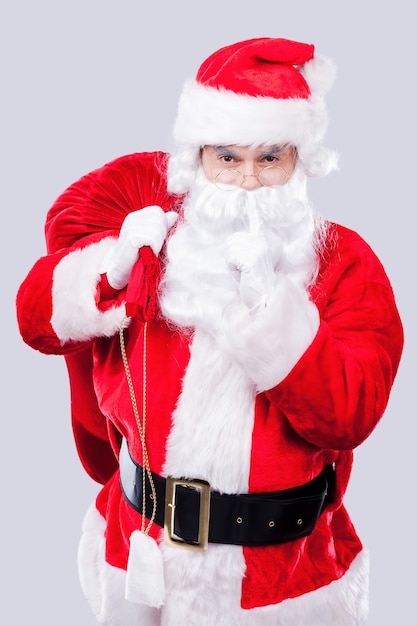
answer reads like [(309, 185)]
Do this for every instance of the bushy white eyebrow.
[(271, 151), (223, 149), (261, 154)]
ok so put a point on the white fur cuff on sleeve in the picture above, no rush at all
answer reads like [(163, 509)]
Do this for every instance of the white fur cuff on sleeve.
[(75, 316), (269, 344)]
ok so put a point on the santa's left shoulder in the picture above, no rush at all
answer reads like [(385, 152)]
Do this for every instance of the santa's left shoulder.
[(342, 245), (351, 273)]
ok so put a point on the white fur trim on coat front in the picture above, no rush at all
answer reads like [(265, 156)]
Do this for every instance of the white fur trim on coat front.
[(270, 342), (75, 316)]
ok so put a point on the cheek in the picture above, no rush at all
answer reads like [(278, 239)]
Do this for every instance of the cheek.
[(288, 167), (205, 164), (291, 167), (293, 161), (207, 168)]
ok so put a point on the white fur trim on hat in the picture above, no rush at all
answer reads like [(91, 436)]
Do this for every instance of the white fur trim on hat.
[(207, 115)]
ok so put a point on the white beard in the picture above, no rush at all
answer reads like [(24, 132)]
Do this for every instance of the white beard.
[(199, 288)]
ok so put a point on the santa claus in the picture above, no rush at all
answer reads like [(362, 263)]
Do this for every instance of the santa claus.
[(227, 349)]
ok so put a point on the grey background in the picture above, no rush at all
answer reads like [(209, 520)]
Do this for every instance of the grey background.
[(88, 80)]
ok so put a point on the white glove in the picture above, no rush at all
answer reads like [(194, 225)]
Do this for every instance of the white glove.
[(249, 257), (146, 227)]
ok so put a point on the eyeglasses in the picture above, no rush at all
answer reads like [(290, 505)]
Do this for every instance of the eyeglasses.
[(270, 176)]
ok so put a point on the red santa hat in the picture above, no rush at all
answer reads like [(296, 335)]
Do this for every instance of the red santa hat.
[(259, 91)]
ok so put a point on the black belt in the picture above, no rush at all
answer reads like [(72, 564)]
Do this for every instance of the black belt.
[(193, 514)]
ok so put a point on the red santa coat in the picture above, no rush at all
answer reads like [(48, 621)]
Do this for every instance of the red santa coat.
[(328, 404)]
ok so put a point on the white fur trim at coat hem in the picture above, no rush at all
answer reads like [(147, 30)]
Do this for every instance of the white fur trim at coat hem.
[(75, 316), (103, 585), (343, 602)]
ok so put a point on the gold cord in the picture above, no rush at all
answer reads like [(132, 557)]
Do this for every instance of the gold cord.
[(141, 424)]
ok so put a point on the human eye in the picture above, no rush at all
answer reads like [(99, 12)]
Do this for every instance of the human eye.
[(226, 158), (268, 160), (271, 158)]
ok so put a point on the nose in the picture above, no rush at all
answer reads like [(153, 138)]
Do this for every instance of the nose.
[(250, 178), (250, 181)]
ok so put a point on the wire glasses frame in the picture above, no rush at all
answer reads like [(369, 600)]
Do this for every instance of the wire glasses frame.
[(270, 176)]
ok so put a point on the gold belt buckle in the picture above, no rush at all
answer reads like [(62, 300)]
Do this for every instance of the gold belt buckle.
[(204, 514)]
